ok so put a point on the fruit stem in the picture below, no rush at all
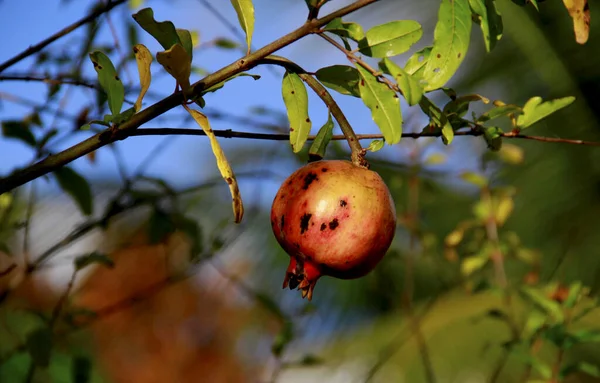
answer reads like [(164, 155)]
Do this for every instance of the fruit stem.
[(357, 152)]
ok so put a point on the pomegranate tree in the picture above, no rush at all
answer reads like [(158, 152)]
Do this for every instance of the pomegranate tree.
[(332, 218)]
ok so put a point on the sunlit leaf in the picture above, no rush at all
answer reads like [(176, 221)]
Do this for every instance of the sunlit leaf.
[(222, 164), (341, 78), (390, 39), (410, 87), (384, 105), (489, 20), (319, 145), (109, 81), (469, 265), (579, 10), (511, 154), (245, 14), (143, 57), (349, 30), (164, 32), (18, 130), (536, 110), (177, 63), (295, 98), (415, 65), (376, 145), (451, 42), (77, 187), (500, 111)]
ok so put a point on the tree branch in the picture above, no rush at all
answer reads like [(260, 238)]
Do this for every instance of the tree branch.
[(357, 150), (42, 44), (228, 133), (52, 162)]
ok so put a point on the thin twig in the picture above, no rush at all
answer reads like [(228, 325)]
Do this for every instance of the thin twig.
[(42, 44), (51, 81)]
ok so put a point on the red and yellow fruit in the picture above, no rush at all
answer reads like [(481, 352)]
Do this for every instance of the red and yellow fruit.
[(332, 218)]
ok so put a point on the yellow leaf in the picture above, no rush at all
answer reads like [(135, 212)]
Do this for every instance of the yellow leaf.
[(143, 57), (504, 208), (222, 163), (579, 10), (178, 63)]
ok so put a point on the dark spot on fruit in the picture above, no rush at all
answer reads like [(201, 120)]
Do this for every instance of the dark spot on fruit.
[(323, 226), (117, 78), (343, 203), (459, 54), (439, 55), (376, 106), (291, 129), (304, 221), (273, 222), (324, 170), (308, 120), (135, 50), (282, 196), (282, 222), (334, 224), (297, 245), (293, 92), (310, 177), (304, 204)]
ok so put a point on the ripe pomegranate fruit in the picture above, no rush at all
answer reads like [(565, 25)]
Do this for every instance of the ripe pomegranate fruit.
[(332, 218)]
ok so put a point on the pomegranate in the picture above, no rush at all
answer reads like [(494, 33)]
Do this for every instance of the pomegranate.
[(332, 218)]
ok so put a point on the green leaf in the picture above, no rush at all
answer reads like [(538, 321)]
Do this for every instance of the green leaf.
[(500, 111), (376, 145), (493, 137), (489, 21), (84, 261), (536, 110), (451, 42), (123, 116), (535, 321), (460, 105), (574, 294), (549, 306), (415, 65), (109, 81), (81, 370), (319, 145), (160, 226), (77, 187), (225, 43), (39, 346), (390, 39), (410, 87), (245, 14), (219, 85), (341, 78), (185, 37), (384, 105), (296, 103), (178, 64), (469, 265), (164, 32), (348, 30), (438, 121), (18, 130)]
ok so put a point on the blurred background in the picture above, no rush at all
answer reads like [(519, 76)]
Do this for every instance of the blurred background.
[(176, 292)]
